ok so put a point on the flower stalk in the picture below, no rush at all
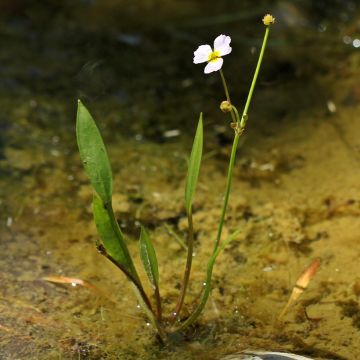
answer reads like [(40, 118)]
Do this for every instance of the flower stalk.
[(244, 116), (184, 285), (232, 113), (238, 131)]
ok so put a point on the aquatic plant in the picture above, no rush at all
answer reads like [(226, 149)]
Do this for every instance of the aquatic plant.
[(97, 166)]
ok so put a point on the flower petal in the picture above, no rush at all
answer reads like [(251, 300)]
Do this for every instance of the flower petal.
[(202, 54), (213, 66), (222, 45)]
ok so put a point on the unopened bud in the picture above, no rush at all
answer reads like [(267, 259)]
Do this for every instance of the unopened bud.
[(268, 20), (225, 106)]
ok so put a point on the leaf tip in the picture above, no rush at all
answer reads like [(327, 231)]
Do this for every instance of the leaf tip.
[(201, 120)]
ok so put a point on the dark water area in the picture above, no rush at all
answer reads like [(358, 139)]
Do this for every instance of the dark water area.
[(295, 191)]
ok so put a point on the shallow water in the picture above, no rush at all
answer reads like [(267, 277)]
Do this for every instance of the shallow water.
[(295, 192)]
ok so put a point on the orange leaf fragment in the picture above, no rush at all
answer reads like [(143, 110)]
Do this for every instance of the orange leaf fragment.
[(74, 282), (301, 284)]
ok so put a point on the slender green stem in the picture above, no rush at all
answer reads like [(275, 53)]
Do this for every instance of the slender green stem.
[(176, 236), (198, 310), (158, 303), (150, 314), (227, 189), (225, 86), (139, 293), (130, 277), (235, 118), (253, 83), (236, 113), (187, 268), (236, 138), (227, 94)]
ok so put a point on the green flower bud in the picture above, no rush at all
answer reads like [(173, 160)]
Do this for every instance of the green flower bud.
[(225, 106), (268, 20)]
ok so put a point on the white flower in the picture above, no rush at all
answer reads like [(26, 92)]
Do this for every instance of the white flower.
[(204, 53)]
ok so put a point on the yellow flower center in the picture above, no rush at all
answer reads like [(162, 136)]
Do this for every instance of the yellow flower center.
[(214, 56)]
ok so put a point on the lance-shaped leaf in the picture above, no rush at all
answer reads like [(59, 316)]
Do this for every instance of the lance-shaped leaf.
[(194, 166), (112, 238), (148, 257), (93, 154)]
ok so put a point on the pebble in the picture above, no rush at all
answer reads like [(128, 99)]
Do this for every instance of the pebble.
[(264, 355)]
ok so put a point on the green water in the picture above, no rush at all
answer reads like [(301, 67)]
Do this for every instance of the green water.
[(295, 190)]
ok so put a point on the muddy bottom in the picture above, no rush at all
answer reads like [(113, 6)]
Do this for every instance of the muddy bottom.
[(295, 197)]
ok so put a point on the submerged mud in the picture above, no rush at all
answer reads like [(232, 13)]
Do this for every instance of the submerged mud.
[(295, 196)]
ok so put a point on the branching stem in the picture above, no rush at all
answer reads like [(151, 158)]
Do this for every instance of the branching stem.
[(240, 125), (237, 135)]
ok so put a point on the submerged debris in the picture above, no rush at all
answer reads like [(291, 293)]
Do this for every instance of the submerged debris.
[(265, 355)]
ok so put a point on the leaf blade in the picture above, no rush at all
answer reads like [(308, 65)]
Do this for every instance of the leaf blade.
[(194, 166), (93, 153), (111, 237), (148, 257)]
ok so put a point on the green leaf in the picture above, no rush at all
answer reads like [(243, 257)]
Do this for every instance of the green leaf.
[(194, 166), (93, 154), (111, 236), (148, 257)]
